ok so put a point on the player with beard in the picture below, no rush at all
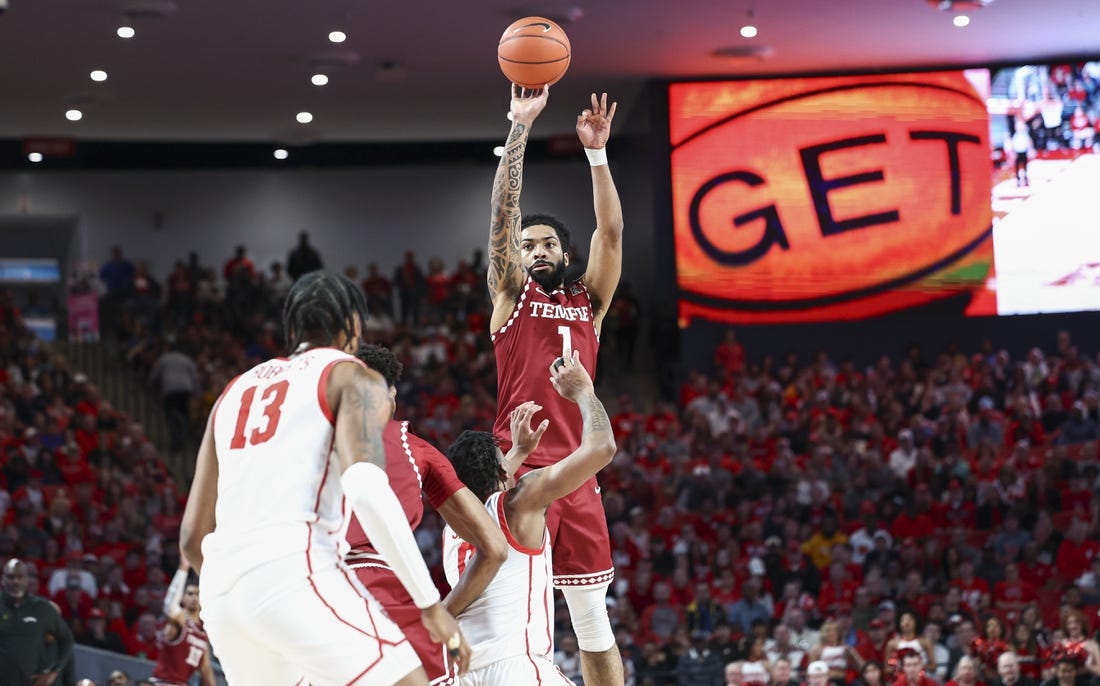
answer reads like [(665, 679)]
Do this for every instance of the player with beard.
[(536, 317)]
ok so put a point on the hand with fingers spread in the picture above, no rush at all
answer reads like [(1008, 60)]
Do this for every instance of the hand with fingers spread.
[(570, 378), (523, 438), (594, 123), (527, 103)]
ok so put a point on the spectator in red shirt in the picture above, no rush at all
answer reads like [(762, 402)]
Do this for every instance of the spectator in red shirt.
[(955, 509), (1020, 666), (729, 356), (972, 587), (1013, 594), (1075, 554), (143, 640), (872, 645), (912, 671), (987, 647), (74, 468), (626, 421), (912, 522), (73, 601), (86, 435), (114, 587), (838, 589), (378, 289), (639, 592), (239, 261), (1033, 569), (439, 288), (912, 594)]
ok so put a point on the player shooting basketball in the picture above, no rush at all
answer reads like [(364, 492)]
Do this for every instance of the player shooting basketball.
[(537, 316)]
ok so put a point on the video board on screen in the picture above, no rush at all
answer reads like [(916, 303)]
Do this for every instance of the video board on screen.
[(831, 198)]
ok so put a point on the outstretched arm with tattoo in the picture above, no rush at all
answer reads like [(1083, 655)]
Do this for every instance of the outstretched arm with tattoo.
[(526, 504), (505, 271)]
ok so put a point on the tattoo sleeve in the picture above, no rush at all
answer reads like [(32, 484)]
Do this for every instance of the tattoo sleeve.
[(504, 222), (594, 415), (370, 401)]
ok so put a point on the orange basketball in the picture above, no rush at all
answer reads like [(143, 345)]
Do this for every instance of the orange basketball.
[(534, 52)]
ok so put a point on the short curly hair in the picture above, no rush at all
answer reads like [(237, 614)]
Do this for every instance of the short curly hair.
[(383, 361), (541, 219), (475, 457)]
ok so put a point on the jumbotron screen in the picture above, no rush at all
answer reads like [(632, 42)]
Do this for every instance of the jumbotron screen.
[(830, 198)]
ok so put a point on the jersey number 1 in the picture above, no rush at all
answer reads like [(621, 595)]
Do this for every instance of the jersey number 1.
[(273, 397), (194, 656), (566, 342)]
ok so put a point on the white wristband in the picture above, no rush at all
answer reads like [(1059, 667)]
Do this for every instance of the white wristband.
[(175, 591), (596, 157), (383, 520)]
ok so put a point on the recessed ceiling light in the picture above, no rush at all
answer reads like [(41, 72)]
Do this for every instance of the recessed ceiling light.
[(125, 32), (281, 154), (961, 20), (318, 80), (35, 157), (74, 115), (304, 117), (99, 75), (337, 36), (748, 31), (499, 151)]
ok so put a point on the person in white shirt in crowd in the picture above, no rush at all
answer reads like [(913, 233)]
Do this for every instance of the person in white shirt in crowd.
[(73, 569), (940, 654), (781, 647), (802, 635), (904, 457), (862, 539), (817, 673), (176, 376)]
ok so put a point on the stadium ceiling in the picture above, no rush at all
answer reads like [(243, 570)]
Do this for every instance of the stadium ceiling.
[(241, 69)]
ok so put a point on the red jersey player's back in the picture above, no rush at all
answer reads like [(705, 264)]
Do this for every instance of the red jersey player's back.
[(181, 657), (412, 465), (543, 326)]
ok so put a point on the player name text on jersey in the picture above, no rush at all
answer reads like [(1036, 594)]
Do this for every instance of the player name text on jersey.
[(556, 311)]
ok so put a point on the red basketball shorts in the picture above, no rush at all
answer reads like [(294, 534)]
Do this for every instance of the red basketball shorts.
[(579, 540)]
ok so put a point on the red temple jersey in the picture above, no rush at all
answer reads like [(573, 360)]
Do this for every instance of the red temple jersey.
[(412, 465), (542, 328), (179, 659)]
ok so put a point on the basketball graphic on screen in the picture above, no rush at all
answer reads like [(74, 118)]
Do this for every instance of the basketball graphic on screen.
[(829, 198), (534, 52)]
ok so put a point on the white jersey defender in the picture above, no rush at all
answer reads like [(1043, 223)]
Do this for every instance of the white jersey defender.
[(278, 601), (510, 626)]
